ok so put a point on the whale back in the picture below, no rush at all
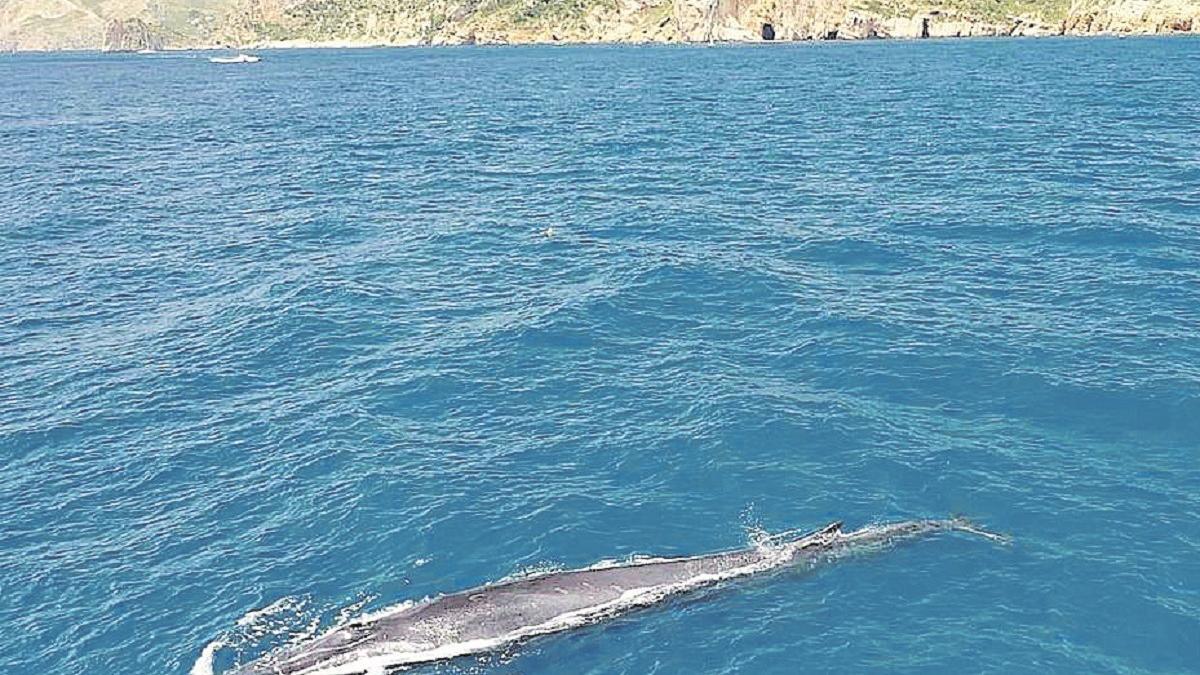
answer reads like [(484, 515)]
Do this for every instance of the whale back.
[(486, 617)]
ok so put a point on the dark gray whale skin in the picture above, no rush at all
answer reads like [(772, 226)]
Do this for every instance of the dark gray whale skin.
[(495, 614)]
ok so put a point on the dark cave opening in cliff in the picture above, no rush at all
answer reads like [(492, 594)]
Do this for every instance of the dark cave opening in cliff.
[(768, 31)]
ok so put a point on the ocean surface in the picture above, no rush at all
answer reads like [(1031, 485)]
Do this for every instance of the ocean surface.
[(296, 340)]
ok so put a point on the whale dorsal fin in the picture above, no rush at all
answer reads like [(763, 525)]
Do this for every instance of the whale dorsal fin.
[(832, 528), (817, 537)]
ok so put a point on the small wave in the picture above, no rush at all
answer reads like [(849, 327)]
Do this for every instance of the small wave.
[(286, 604), (630, 561), (286, 622), (530, 572), (251, 627), (204, 662), (345, 614)]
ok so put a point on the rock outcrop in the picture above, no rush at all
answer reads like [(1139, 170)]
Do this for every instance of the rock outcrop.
[(130, 35), (1132, 16)]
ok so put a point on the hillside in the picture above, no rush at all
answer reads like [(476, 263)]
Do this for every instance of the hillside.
[(137, 24)]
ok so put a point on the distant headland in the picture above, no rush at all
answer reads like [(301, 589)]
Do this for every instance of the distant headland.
[(134, 25)]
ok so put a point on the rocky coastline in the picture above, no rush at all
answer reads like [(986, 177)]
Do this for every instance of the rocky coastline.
[(260, 24)]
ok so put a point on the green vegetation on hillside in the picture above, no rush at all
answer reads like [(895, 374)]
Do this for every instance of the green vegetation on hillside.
[(1048, 11)]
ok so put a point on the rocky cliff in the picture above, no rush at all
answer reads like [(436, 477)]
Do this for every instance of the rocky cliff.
[(130, 35), (140, 24)]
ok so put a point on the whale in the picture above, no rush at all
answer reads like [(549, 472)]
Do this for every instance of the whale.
[(493, 616)]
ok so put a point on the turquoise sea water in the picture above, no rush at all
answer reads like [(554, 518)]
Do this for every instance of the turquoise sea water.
[(346, 328)]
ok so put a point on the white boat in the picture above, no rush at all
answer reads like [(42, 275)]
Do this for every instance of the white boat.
[(240, 58), (147, 51)]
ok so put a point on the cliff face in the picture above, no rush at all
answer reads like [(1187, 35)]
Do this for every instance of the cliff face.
[(141, 24), (848, 20), (130, 35), (1132, 16), (516, 21)]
